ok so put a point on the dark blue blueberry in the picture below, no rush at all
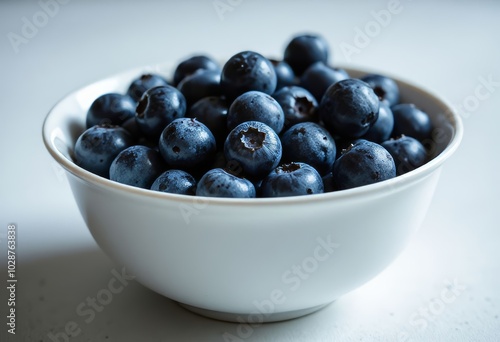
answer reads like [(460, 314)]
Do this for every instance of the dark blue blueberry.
[(294, 179), (200, 84), (284, 74), (247, 71), (411, 121), (319, 76), (137, 166), (304, 50), (157, 108), (298, 105), (363, 163), (381, 130), (384, 87), (255, 147), (220, 183), (175, 182), (212, 111), (408, 153), (349, 108), (96, 148), (191, 65), (309, 143), (146, 81), (186, 144), (256, 106), (111, 109)]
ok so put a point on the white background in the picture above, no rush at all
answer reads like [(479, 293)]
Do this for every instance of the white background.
[(447, 46)]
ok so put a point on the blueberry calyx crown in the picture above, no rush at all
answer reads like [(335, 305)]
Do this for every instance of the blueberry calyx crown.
[(304, 106), (380, 92), (252, 139), (288, 168)]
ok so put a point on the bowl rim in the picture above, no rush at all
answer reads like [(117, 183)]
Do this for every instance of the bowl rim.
[(372, 189)]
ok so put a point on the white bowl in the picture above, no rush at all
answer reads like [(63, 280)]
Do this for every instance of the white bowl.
[(251, 259)]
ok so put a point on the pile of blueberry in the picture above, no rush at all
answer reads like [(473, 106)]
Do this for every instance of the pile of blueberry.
[(256, 127)]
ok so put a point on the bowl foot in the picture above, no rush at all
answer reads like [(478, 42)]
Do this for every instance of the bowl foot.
[(254, 318)]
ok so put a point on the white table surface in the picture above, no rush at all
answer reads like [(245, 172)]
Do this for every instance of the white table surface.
[(448, 46)]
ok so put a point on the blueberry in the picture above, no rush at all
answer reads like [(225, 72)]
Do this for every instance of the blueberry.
[(157, 108), (137, 166), (408, 153), (298, 105), (381, 129), (363, 163), (319, 76), (294, 179), (256, 106), (411, 121), (212, 111), (96, 148), (255, 147), (176, 182), (146, 81), (200, 84), (186, 144), (384, 87), (191, 65), (284, 74), (304, 50), (110, 108), (220, 183), (247, 71), (309, 143), (349, 108)]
